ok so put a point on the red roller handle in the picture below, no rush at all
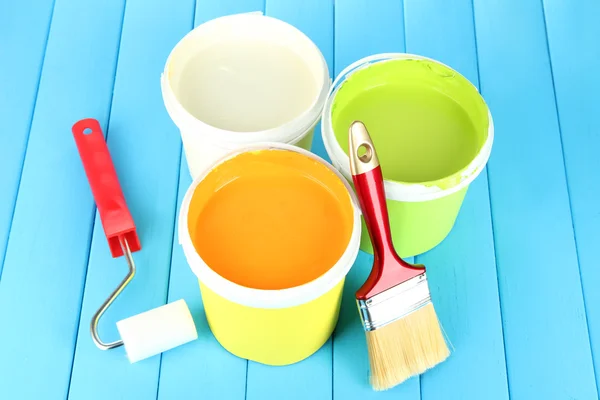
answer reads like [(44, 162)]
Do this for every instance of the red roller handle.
[(388, 268), (117, 221)]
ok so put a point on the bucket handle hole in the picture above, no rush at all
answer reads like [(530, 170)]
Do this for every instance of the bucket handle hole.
[(364, 152)]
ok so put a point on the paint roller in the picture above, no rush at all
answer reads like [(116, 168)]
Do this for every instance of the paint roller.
[(151, 332)]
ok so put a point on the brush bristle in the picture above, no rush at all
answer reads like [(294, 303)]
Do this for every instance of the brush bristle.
[(405, 348)]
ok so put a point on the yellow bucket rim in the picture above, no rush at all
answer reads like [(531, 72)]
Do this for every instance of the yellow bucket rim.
[(262, 298)]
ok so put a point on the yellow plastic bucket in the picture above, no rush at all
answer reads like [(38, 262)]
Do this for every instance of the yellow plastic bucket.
[(269, 326)]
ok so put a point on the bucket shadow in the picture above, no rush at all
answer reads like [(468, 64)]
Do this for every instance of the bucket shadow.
[(350, 351)]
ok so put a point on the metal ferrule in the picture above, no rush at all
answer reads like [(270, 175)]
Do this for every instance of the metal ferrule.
[(394, 303), (359, 139)]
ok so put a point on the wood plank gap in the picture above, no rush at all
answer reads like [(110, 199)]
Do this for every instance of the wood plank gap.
[(18, 186), (174, 225), (560, 134), (487, 174), (93, 223)]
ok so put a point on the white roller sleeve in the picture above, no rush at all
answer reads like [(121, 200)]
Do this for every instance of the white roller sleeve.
[(157, 330)]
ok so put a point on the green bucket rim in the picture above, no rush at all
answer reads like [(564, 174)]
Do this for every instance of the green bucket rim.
[(397, 190)]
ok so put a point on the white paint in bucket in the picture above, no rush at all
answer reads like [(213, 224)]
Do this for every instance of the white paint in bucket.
[(220, 86), (241, 79)]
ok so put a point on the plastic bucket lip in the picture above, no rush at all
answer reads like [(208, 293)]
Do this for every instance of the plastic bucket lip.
[(263, 298), (396, 190), (291, 131)]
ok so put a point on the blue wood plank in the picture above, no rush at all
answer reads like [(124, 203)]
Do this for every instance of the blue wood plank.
[(462, 269), (307, 379), (145, 147), (546, 337), (573, 31), (23, 36), (207, 10), (315, 19), (46, 257), (362, 28), (203, 367)]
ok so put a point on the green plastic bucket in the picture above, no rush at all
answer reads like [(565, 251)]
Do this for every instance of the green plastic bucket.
[(433, 133)]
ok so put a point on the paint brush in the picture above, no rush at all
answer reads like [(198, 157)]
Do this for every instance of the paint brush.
[(404, 336)]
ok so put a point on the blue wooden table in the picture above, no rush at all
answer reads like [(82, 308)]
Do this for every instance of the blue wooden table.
[(516, 284)]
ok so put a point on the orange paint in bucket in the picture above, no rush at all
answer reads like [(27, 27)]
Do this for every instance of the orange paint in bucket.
[(271, 232), (271, 219)]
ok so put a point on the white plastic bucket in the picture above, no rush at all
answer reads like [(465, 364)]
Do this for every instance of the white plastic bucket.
[(242, 79)]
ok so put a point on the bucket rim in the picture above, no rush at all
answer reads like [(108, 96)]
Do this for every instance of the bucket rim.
[(265, 298), (289, 132), (397, 190)]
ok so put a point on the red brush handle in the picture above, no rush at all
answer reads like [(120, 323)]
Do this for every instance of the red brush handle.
[(388, 268), (114, 214)]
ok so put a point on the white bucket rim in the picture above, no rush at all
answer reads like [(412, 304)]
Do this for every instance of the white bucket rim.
[(396, 190), (263, 298), (290, 132)]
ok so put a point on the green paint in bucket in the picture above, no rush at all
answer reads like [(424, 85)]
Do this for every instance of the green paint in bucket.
[(433, 133)]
